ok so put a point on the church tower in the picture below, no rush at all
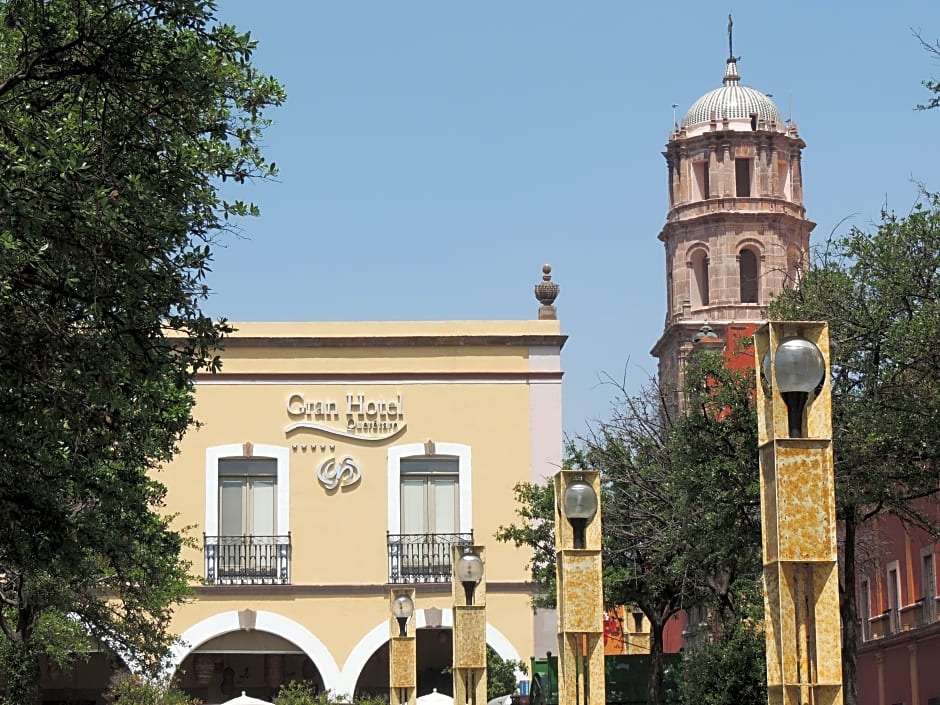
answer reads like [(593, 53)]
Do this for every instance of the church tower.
[(736, 232)]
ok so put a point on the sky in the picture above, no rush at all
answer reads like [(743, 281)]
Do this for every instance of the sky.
[(434, 154)]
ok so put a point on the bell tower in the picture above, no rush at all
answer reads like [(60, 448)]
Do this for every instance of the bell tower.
[(736, 232)]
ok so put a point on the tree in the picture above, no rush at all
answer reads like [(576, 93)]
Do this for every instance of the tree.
[(501, 676), (680, 498), (119, 120), (880, 293), (729, 667), (127, 689), (681, 503), (932, 85), (535, 506), (712, 453)]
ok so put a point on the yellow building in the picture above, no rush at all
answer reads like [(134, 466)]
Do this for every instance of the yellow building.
[(337, 460)]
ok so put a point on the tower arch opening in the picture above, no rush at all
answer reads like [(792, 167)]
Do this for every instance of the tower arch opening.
[(749, 275), (698, 261)]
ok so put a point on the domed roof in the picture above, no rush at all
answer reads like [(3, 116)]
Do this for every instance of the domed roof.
[(732, 100)]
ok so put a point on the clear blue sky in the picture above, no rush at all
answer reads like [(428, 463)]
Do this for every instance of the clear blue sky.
[(434, 154)]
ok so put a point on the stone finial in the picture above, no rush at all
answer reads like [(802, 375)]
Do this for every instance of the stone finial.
[(546, 291)]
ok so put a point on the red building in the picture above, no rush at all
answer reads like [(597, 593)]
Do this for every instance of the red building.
[(899, 655)]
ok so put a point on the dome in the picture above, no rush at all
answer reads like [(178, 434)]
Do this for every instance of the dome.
[(733, 101)]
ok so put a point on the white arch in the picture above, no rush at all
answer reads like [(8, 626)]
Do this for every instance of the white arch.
[(378, 635), (265, 621)]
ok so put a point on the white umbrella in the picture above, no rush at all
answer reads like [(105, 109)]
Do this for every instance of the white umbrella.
[(246, 700), (435, 698)]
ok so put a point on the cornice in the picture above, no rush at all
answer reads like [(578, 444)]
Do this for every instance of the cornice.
[(395, 341)]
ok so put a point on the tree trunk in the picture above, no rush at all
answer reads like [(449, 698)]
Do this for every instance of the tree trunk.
[(654, 694), (849, 612)]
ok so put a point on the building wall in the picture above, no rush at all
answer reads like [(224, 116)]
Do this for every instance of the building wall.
[(900, 637), (312, 395)]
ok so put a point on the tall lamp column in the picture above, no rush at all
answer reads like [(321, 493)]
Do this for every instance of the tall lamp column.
[(469, 592), (579, 588), (798, 523), (402, 662)]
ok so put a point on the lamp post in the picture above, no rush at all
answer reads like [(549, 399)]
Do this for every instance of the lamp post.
[(469, 625), (798, 525), (402, 660), (579, 588)]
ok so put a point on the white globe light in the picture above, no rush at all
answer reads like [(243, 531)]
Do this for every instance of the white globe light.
[(799, 365), (403, 607), (580, 500), (469, 568)]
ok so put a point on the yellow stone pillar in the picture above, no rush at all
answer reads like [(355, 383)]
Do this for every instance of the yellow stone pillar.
[(580, 592), (469, 592), (402, 661), (801, 576)]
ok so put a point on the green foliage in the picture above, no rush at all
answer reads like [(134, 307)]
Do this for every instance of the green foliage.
[(127, 689), (680, 502), (119, 119), (535, 507), (711, 453), (932, 85), (729, 669), (880, 293), (299, 693), (501, 674), (726, 664)]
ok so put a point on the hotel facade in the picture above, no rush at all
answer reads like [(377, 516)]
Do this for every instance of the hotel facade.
[(336, 461)]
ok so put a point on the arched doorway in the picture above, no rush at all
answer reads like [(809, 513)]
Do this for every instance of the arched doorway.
[(258, 663), (435, 650), (254, 651)]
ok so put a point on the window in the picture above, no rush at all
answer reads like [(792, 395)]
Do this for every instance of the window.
[(894, 599), (748, 273), (864, 608), (794, 266), (247, 535), (742, 178), (700, 180), (428, 509), (928, 582), (247, 497), (429, 497), (699, 278), (783, 179)]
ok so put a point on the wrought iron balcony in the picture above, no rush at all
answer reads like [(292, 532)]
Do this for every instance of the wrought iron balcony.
[(422, 558), (247, 560)]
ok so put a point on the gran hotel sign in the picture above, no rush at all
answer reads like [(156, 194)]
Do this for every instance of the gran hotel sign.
[(357, 416)]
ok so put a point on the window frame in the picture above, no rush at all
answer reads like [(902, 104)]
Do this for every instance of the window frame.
[(748, 285), (699, 279), (414, 450), (864, 598), (893, 589), (928, 557), (241, 451)]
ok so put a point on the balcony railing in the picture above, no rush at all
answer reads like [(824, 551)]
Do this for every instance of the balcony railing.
[(247, 560), (422, 558)]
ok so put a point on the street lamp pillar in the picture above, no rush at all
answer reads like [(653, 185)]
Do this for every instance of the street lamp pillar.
[(798, 522), (579, 588), (402, 662), (469, 594)]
